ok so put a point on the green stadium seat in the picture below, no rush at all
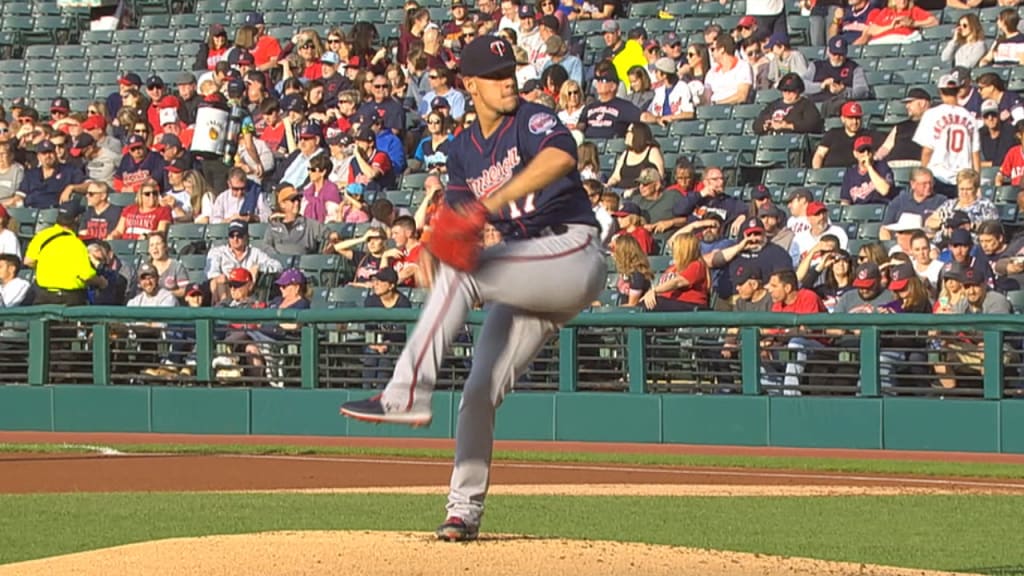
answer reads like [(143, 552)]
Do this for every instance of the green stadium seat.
[(193, 262), (767, 95), (824, 176), (189, 36), (160, 37), (25, 220), (346, 296), (47, 65), (714, 112), (18, 22), (863, 213), (657, 26), (1016, 298), (12, 66), (208, 6), (688, 128), (207, 19), (399, 198), (130, 37), (78, 92), (644, 9), (179, 21), (699, 145), (889, 91), (723, 127), (785, 177), (42, 52), (1007, 213), (412, 182), (746, 111), (151, 21), (894, 64)]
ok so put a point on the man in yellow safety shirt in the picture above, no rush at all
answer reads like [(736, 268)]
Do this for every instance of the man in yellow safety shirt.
[(61, 261)]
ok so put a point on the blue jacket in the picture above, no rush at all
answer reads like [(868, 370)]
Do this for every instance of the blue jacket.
[(389, 144)]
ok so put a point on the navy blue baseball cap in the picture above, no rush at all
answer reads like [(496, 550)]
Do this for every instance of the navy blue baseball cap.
[(627, 209), (488, 57), (253, 19), (976, 273), (293, 103), (961, 237), (311, 130), (838, 46)]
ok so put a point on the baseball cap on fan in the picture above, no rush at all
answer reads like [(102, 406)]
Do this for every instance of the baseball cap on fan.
[(488, 57)]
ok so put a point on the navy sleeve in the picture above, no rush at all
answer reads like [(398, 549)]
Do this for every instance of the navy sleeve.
[(543, 130), (458, 190), (848, 182), (686, 205)]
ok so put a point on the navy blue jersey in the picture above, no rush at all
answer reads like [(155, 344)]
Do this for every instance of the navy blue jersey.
[(481, 166)]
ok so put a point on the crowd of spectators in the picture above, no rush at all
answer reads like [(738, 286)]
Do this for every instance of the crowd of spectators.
[(343, 139)]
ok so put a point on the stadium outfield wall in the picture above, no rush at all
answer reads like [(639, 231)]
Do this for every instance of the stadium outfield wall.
[(991, 422)]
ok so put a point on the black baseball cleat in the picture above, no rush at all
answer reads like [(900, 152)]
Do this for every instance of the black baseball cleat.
[(374, 410), (455, 529)]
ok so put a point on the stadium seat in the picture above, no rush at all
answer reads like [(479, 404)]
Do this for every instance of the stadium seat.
[(1016, 298), (193, 262), (688, 128), (785, 177), (129, 37), (863, 212), (413, 181), (1007, 213), (346, 296), (723, 127), (825, 176), (699, 145), (714, 112)]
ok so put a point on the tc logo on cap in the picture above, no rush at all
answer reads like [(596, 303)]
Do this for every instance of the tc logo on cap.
[(498, 48)]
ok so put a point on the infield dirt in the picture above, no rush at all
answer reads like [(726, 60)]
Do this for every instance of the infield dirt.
[(409, 553)]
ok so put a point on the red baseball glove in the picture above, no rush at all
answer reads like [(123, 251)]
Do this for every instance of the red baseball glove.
[(455, 235)]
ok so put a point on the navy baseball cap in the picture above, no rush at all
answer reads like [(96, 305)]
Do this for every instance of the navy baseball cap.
[(752, 226), (155, 81), (365, 134), (178, 166), (628, 208), (241, 57), (746, 272), (253, 19), (868, 275), (236, 88), (488, 57), (957, 219), (60, 105), (45, 146), (531, 85), (761, 192), (71, 208), (135, 141), (777, 39), (311, 130), (961, 237), (130, 79), (83, 141), (838, 45), (293, 103), (440, 102), (386, 275), (976, 273)]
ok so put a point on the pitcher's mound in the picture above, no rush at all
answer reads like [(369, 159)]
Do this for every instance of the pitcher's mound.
[(408, 553)]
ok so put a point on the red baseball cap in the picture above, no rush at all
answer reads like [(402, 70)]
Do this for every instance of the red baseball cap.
[(239, 276), (852, 110), (747, 22), (94, 123), (816, 208), (863, 142)]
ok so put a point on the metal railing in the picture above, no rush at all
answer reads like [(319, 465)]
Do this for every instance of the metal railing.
[(616, 351)]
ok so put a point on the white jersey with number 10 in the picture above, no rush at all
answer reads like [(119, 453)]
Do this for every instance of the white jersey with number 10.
[(952, 134)]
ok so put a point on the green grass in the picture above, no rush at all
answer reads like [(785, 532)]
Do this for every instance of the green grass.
[(960, 533), (863, 466)]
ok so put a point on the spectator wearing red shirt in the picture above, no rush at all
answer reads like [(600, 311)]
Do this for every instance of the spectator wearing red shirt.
[(405, 256), (788, 298), (685, 285), (631, 222), (1013, 164), (685, 177), (145, 216), (267, 49)]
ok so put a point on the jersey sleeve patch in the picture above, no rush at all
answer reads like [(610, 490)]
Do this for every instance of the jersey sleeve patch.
[(542, 123)]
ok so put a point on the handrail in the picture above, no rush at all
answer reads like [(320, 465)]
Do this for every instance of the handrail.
[(625, 319)]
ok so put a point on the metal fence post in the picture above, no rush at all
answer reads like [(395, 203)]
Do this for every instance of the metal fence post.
[(310, 346), (993, 365), (101, 354), (636, 360), (204, 350), (869, 350), (38, 351), (750, 360), (568, 360)]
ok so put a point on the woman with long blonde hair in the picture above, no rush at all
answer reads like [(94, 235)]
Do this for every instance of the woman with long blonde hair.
[(201, 195), (686, 283), (570, 104), (634, 270)]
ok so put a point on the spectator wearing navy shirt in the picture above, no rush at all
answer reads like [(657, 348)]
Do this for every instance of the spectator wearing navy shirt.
[(868, 181), (42, 186), (836, 79), (127, 82), (137, 166), (992, 87), (609, 116), (394, 113), (711, 197), (919, 199), (997, 137)]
